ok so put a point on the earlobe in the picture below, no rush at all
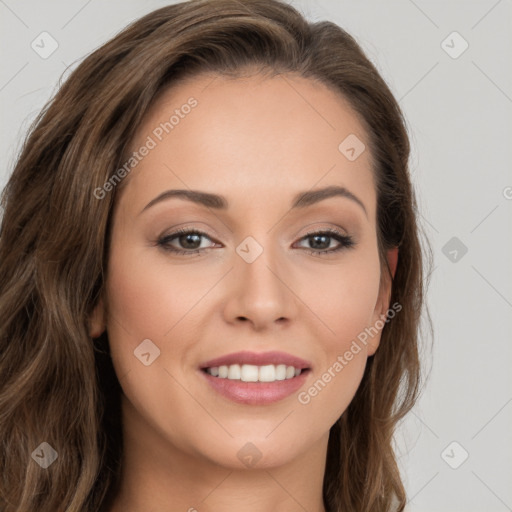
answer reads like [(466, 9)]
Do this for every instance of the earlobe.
[(97, 320), (393, 260)]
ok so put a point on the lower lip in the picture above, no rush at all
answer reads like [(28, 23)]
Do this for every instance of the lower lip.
[(256, 393)]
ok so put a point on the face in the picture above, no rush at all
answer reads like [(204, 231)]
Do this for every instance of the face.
[(259, 274)]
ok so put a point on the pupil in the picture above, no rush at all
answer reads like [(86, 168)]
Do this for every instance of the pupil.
[(187, 237), (316, 237)]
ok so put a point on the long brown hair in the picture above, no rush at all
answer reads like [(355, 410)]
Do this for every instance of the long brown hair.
[(59, 387)]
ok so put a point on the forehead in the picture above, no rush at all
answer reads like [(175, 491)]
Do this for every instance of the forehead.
[(250, 138)]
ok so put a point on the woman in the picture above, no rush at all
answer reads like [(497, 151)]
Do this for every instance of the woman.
[(211, 274)]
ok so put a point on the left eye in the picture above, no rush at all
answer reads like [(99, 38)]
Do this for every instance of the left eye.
[(318, 240), (191, 240)]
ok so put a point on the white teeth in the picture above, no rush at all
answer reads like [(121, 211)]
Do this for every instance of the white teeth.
[(249, 373), (267, 373), (234, 372), (281, 371), (253, 373)]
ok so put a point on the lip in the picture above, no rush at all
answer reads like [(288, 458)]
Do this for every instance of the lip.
[(256, 393), (258, 359)]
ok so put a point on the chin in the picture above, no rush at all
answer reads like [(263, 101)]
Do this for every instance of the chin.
[(253, 453)]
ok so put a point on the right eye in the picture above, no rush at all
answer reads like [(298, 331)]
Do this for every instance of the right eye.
[(186, 237)]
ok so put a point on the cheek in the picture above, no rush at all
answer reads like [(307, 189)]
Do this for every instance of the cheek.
[(346, 303), (348, 309), (329, 394), (141, 306), (148, 300), (145, 297), (151, 298), (343, 298)]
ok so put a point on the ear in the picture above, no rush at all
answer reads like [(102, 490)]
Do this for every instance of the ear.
[(393, 260), (97, 320), (383, 301)]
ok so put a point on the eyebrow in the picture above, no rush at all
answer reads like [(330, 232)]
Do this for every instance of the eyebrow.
[(218, 202)]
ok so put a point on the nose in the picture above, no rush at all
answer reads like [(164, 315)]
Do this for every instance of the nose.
[(259, 293)]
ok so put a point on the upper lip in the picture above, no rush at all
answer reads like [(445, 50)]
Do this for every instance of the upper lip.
[(258, 359)]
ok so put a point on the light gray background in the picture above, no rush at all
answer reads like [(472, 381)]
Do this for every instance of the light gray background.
[(459, 114)]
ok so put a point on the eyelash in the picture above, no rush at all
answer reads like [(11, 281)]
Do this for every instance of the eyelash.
[(346, 241)]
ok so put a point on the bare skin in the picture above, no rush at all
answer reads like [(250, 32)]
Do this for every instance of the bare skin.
[(258, 142)]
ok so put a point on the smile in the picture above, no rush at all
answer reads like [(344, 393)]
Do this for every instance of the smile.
[(253, 373), (255, 392)]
